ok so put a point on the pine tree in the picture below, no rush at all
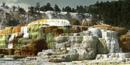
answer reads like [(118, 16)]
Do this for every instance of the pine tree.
[(67, 9), (31, 10), (21, 11), (56, 8), (48, 7)]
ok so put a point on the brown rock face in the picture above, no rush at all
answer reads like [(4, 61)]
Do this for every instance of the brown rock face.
[(120, 30), (32, 48), (39, 45), (125, 42), (56, 31), (16, 29)]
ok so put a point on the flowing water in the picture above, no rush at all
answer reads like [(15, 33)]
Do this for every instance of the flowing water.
[(110, 37), (112, 41)]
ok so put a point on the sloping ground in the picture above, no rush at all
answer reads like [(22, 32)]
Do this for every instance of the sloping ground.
[(18, 62), (85, 62)]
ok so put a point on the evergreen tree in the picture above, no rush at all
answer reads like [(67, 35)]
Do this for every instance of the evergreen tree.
[(63, 9), (67, 9), (3, 4), (21, 11), (14, 7), (114, 13), (57, 9), (81, 9), (31, 10), (43, 8), (48, 7), (73, 10)]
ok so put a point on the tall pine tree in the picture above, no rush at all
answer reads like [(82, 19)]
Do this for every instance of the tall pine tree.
[(56, 8)]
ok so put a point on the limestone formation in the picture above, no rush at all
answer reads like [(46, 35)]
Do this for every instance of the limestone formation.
[(95, 32), (112, 40), (120, 30), (60, 39), (102, 46)]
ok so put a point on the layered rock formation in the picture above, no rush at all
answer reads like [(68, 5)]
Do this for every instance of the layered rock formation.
[(83, 45), (102, 44)]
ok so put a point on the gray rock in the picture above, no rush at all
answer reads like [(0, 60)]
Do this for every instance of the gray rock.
[(72, 55), (75, 39), (95, 32), (61, 39), (62, 45), (102, 46), (89, 44)]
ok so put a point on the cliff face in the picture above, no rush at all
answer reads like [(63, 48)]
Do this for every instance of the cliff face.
[(86, 45), (61, 44), (93, 40)]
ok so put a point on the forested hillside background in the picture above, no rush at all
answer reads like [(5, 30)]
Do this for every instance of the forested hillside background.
[(115, 13)]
